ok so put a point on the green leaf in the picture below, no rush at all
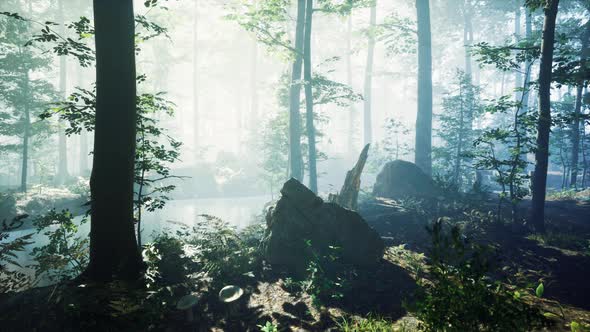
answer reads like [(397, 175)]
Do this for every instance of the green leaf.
[(540, 290)]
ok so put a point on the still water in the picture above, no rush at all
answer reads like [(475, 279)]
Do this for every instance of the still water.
[(239, 212)]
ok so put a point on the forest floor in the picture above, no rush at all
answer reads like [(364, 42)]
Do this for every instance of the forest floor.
[(560, 259)]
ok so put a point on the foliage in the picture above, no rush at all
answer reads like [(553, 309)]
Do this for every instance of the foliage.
[(459, 295), (268, 327), (461, 109), (503, 150), (393, 146), (328, 278), (11, 279), (222, 256), (66, 254), (369, 324)]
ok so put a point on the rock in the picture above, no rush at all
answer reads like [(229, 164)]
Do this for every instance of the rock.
[(301, 216), (7, 207), (399, 179)]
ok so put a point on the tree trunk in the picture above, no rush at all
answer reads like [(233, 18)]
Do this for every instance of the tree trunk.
[(351, 109), (313, 177), (295, 158), (578, 108), (467, 36), (62, 167), (368, 86), (527, 76), (113, 247), (253, 86), (196, 119), (544, 122), (423, 148), (517, 73), (26, 134)]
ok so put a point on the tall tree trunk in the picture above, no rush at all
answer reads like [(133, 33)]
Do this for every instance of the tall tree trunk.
[(527, 64), (467, 36), (423, 149), (368, 86), (113, 247), (254, 86), (578, 108), (196, 118), (62, 167), (295, 158), (26, 134), (83, 162), (352, 108), (313, 177), (518, 72), (544, 122)]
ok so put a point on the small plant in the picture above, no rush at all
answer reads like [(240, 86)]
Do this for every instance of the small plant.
[(12, 279), (268, 327), (369, 324), (459, 295), (66, 254), (327, 277)]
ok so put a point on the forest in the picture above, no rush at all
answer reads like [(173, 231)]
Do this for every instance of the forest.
[(295, 165)]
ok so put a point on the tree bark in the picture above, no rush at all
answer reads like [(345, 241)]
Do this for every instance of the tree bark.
[(196, 118), (295, 158), (517, 73), (544, 122), (113, 247), (309, 115), (351, 109), (527, 76), (423, 148), (467, 36), (368, 86), (62, 167), (578, 108), (26, 134)]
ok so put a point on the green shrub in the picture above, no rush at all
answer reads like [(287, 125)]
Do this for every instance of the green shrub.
[(459, 296), (66, 254), (11, 279)]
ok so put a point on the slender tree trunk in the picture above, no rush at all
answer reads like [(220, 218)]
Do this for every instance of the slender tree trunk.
[(368, 86), (113, 247), (518, 72), (295, 158), (309, 115), (196, 118), (26, 135), (352, 109), (254, 86), (62, 167), (83, 161), (578, 108), (423, 149), (460, 133), (467, 36), (544, 122), (527, 64)]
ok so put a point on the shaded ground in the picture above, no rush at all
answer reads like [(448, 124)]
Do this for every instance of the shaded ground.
[(561, 260)]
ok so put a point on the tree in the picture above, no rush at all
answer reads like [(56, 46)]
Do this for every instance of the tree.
[(423, 153), (295, 158), (22, 95), (62, 165), (585, 52), (544, 121), (460, 107), (309, 100), (113, 247), (368, 86)]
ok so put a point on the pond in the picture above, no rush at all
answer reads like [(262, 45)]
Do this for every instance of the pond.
[(236, 211)]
